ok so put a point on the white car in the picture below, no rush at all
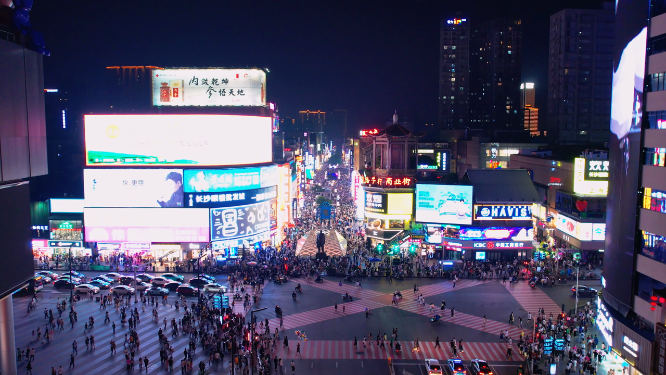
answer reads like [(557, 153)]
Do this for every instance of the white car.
[(54, 276), (122, 290), (160, 281), (433, 367), (142, 286), (45, 279), (113, 276), (214, 288), (85, 288)]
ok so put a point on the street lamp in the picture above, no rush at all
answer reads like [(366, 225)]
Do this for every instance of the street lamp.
[(252, 353), (576, 307), (71, 281)]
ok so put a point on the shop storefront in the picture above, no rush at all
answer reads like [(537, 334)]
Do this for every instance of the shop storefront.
[(388, 213), (586, 238)]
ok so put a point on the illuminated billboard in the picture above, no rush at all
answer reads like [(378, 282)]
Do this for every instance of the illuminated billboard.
[(133, 187), (434, 160), (236, 198), (146, 225), (446, 204), (503, 212), (209, 87), (239, 222), (581, 231), (591, 176), (177, 140), (231, 179)]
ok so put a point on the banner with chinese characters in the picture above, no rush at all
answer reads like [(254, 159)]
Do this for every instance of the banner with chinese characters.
[(209, 87), (389, 182), (230, 199), (239, 222)]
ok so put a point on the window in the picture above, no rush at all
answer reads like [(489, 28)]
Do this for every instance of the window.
[(657, 119), (657, 82), (654, 247), (655, 156), (654, 200)]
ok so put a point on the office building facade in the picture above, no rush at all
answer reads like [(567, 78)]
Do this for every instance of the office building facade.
[(579, 75)]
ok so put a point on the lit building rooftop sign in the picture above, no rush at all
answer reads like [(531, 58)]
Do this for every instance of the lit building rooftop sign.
[(456, 21)]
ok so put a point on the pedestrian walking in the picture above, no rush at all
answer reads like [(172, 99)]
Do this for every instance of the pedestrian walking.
[(520, 322), (293, 367), (437, 342), (453, 312), (511, 318), (343, 308), (71, 361), (484, 320), (298, 348), (336, 307)]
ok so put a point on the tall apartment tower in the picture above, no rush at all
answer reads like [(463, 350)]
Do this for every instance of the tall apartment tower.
[(454, 72), (580, 72), (495, 72), (480, 68), (528, 104), (312, 121)]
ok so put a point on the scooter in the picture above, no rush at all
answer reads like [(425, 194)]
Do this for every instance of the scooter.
[(532, 284), (319, 279), (293, 295), (435, 318)]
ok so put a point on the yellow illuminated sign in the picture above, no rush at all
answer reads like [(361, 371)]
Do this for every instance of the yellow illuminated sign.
[(587, 187), (400, 204)]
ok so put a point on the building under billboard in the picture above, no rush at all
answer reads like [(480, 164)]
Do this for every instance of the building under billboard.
[(489, 218)]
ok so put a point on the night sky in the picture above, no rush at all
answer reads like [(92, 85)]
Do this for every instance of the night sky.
[(368, 57)]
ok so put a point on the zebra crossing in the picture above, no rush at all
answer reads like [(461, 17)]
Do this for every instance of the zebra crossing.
[(532, 300), (323, 314), (443, 287), (353, 290), (324, 349), (462, 319)]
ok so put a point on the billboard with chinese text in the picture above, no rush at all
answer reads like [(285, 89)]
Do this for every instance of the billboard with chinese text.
[(239, 222), (146, 225), (209, 87), (177, 140), (229, 179), (133, 187), (446, 204)]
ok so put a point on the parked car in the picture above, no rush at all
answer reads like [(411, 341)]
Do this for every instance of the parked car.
[(208, 277), (160, 281), (126, 280), (433, 367), (456, 366), (54, 276), (65, 284), (43, 279), (145, 277), (100, 284), (173, 276), (187, 290), (122, 290), (103, 278), (113, 276), (480, 367), (74, 273), (140, 285), (172, 285), (86, 288), (157, 291), (584, 291), (214, 288), (199, 282)]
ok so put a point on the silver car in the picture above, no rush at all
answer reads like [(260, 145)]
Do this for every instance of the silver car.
[(122, 290), (214, 288)]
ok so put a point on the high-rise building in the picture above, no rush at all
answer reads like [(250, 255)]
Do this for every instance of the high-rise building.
[(312, 121), (528, 104), (454, 72), (337, 123), (480, 68), (495, 72), (632, 313), (579, 75)]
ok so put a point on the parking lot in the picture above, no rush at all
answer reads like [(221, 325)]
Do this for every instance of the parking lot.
[(419, 368)]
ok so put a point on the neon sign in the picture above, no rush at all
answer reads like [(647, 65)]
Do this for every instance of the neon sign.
[(399, 182), (365, 133), (456, 21)]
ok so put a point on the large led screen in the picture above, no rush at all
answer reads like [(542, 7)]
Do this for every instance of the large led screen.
[(209, 87), (177, 140), (239, 222), (627, 106), (446, 204), (230, 179), (133, 187), (146, 225)]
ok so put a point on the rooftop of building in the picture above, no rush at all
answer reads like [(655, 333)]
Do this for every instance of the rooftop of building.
[(508, 186)]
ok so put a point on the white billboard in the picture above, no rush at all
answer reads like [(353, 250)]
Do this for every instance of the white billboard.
[(177, 140), (146, 225), (133, 187), (209, 87)]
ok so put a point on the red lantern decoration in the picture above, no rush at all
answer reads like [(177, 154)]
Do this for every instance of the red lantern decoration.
[(581, 205)]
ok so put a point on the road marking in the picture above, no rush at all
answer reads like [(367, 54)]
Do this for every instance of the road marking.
[(405, 372), (312, 365)]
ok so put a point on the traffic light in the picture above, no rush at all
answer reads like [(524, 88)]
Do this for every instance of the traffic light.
[(380, 247)]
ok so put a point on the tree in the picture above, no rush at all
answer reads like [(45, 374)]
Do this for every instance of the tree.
[(335, 159)]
